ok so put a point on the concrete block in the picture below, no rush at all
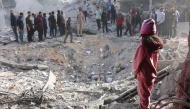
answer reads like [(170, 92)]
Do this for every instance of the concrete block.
[(180, 65), (25, 66), (42, 67), (168, 86), (164, 63)]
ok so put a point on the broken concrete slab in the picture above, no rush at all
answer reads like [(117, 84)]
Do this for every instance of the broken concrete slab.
[(164, 63), (42, 67), (51, 81), (22, 66), (180, 65), (7, 74)]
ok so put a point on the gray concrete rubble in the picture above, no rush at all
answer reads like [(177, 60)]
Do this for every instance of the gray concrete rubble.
[(94, 72)]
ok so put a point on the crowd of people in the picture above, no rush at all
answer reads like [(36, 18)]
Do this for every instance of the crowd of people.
[(111, 14), (40, 24), (166, 21)]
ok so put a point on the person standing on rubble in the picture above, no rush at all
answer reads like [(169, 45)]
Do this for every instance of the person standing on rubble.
[(160, 21), (50, 23), (108, 9), (53, 24), (80, 19), (60, 22), (45, 24), (34, 24), (84, 9), (113, 11), (128, 22), (170, 23), (98, 17), (134, 22), (104, 19), (167, 22), (13, 24), (119, 23), (39, 26), (175, 20), (29, 27), (63, 25), (20, 25), (68, 31), (145, 62)]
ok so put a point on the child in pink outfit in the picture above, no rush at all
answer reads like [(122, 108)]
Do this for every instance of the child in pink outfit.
[(145, 62)]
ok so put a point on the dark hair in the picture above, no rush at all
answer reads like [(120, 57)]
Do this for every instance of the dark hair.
[(52, 12), (69, 18), (152, 42), (40, 12), (58, 11), (161, 9), (44, 14), (21, 13)]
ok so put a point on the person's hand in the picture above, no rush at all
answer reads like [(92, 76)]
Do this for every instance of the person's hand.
[(12, 26), (28, 29), (135, 76), (18, 29)]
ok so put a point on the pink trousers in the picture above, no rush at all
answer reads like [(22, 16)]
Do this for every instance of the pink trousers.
[(144, 90)]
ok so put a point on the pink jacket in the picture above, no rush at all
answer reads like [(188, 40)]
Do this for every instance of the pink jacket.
[(144, 64)]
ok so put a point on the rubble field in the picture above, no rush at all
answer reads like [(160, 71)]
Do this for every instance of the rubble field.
[(94, 72), (85, 74)]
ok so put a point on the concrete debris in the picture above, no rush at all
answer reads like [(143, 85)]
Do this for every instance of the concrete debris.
[(51, 81), (94, 72)]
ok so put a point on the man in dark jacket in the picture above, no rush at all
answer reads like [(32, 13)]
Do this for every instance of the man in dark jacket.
[(60, 22), (39, 26), (53, 24), (119, 23), (113, 12), (152, 15), (104, 20), (20, 25), (13, 24), (29, 27), (169, 21), (45, 24), (34, 16), (134, 23), (68, 30), (128, 22), (50, 24)]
